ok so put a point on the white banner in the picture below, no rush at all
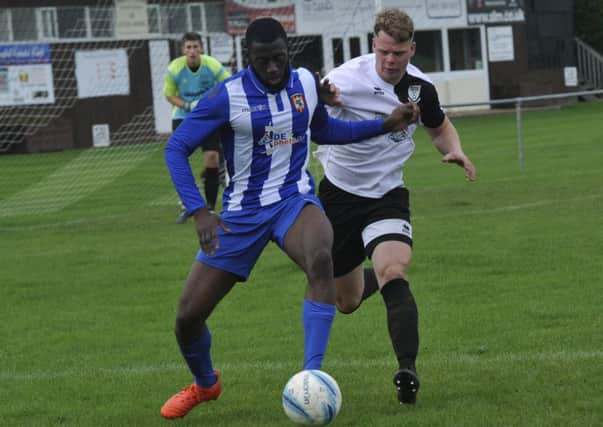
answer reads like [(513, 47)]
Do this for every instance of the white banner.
[(25, 75), (26, 84), (570, 76), (102, 73), (500, 44), (131, 18)]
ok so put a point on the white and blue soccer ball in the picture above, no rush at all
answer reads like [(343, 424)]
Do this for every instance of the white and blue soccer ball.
[(312, 397)]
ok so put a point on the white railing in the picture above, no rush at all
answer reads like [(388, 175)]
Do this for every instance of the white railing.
[(519, 103), (590, 64)]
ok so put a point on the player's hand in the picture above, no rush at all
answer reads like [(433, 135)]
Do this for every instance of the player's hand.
[(463, 161), (190, 106), (401, 117), (207, 223), (329, 93)]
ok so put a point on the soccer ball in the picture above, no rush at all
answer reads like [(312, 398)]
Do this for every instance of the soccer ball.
[(312, 397)]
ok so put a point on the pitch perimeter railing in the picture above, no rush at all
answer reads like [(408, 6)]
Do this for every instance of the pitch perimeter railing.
[(519, 103), (590, 64)]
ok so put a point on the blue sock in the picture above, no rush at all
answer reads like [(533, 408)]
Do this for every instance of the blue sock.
[(317, 318), (198, 358)]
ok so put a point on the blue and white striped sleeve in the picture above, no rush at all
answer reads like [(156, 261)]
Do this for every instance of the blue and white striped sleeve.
[(211, 114)]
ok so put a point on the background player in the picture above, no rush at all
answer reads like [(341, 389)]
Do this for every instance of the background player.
[(188, 77), (363, 192), (264, 114)]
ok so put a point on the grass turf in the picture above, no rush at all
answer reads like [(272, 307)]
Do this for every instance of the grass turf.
[(506, 272)]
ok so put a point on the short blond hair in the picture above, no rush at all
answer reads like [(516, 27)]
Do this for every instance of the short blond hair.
[(395, 23)]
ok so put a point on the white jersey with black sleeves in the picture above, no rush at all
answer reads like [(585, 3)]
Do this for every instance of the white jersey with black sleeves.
[(373, 167)]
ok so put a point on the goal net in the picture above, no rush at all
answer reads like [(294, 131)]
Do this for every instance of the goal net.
[(81, 103)]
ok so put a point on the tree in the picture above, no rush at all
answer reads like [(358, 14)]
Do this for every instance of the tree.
[(588, 21)]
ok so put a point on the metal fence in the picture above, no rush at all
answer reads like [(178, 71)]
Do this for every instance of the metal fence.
[(519, 104)]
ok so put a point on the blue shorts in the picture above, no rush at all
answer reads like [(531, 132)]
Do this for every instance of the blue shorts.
[(251, 230)]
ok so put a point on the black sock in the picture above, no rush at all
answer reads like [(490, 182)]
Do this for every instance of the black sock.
[(370, 283), (212, 179), (402, 321)]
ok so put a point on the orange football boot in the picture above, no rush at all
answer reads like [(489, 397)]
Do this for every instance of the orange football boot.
[(186, 399)]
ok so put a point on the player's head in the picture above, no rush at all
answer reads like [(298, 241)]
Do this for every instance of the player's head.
[(393, 44), (266, 41), (192, 47)]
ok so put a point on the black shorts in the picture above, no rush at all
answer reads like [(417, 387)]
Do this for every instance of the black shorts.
[(350, 215), (212, 143)]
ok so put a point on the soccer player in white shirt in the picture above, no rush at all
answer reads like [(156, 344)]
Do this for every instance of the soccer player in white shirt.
[(265, 115), (363, 191)]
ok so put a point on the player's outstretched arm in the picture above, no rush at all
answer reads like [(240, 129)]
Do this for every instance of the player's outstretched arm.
[(328, 130), (447, 141)]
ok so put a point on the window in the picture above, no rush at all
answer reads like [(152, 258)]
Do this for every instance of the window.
[(101, 22), (24, 24), (354, 47), (465, 49), (337, 49), (5, 30), (214, 16), (180, 18), (306, 51), (174, 19), (197, 17), (428, 55), (154, 19), (72, 22), (47, 23)]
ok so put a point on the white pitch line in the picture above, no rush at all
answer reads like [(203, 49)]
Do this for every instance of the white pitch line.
[(68, 223), (463, 359), (510, 208), (87, 173), (460, 212)]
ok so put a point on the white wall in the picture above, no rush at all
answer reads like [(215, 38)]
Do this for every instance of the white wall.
[(159, 55), (461, 87), (350, 18)]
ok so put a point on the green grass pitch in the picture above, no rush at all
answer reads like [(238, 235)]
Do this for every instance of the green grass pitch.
[(507, 273)]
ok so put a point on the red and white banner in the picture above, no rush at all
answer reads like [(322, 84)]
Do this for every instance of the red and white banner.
[(239, 16)]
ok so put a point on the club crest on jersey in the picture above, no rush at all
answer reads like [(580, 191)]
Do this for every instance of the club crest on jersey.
[(414, 93), (399, 136), (297, 100)]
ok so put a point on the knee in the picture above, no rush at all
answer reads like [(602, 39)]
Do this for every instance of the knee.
[(320, 265), (397, 270), (346, 305), (187, 319)]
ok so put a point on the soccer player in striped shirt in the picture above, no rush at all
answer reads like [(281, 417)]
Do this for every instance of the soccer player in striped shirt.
[(363, 192), (265, 115)]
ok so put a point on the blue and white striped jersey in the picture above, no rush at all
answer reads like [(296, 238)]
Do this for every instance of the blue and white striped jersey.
[(265, 138)]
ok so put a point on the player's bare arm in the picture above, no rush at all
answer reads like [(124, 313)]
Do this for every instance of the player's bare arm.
[(447, 141), (401, 117)]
